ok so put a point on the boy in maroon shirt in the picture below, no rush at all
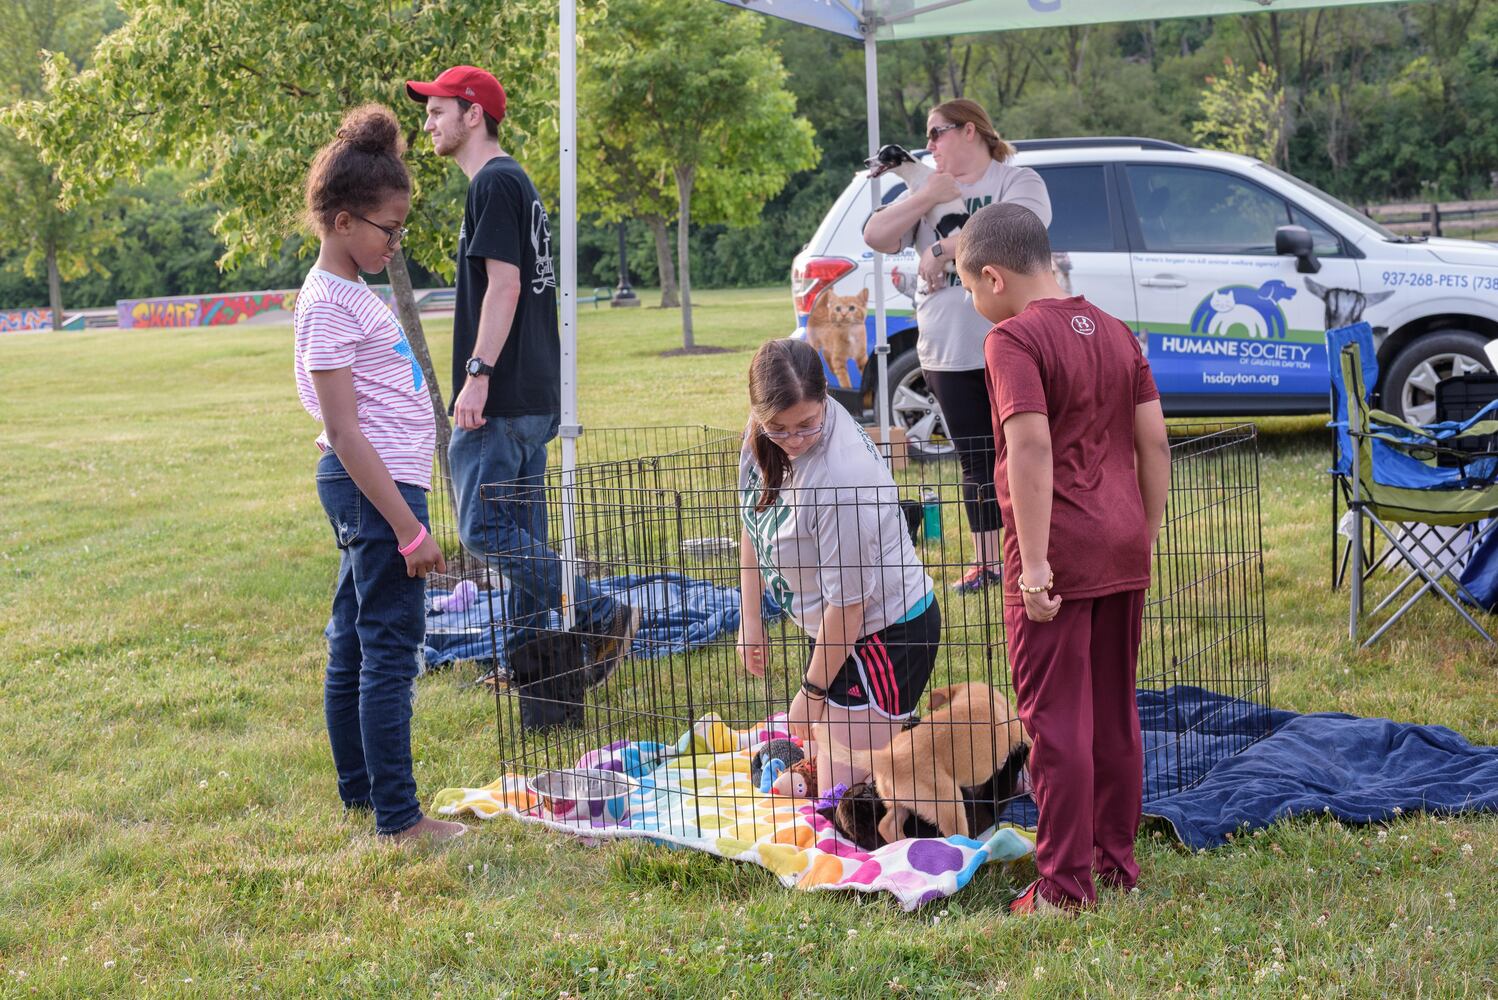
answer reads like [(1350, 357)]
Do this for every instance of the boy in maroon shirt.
[(1082, 473)]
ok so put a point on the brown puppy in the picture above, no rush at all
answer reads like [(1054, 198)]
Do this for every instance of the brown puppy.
[(966, 738)]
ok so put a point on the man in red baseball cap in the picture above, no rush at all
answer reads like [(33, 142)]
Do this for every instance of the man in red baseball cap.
[(507, 371), (467, 83)]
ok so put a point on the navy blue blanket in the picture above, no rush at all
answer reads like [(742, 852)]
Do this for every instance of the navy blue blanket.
[(679, 613), (1358, 770)]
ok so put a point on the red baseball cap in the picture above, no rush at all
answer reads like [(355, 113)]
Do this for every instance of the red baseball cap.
[(468, 82)]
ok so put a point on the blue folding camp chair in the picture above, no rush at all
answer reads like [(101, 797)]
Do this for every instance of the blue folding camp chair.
[(1392, 473)]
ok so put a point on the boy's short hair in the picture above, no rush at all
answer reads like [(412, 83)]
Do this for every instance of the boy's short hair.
[(1004, 235)]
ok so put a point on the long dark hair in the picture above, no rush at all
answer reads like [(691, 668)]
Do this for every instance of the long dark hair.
[(358, 168), (782, 374)]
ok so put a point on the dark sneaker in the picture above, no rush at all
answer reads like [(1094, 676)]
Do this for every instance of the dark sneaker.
[(977, 578), (496, 678), (610, 648)]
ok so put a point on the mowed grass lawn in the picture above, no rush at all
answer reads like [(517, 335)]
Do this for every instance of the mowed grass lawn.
[(168, 819)]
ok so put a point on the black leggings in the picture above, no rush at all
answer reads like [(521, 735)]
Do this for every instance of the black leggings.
[(965, 410)]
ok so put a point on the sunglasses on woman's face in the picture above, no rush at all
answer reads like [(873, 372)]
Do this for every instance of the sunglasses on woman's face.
[(936, 131)]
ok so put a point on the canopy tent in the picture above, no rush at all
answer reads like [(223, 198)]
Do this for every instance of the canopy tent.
[(872, 21)]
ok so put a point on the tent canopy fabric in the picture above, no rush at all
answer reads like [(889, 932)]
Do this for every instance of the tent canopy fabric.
[(897, 19)]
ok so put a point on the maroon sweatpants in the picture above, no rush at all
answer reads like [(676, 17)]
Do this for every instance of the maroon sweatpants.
[(1074, 688)]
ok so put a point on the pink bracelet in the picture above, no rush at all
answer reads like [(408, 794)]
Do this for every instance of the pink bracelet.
[(414, 543)]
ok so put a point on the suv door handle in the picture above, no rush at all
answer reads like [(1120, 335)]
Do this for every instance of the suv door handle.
[(1164, 281)]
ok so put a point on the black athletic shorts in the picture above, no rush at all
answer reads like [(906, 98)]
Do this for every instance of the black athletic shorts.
[(888, 669)]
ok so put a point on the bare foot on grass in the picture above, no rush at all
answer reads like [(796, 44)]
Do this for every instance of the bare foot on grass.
[(432, 831)]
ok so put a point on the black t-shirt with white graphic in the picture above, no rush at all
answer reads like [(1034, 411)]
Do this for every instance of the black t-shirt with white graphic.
[(504, 220)]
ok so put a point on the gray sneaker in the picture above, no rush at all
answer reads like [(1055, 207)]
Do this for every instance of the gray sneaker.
[(610, 648)]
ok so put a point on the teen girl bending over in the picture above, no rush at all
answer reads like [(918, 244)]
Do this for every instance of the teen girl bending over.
[(823, 529), (355, 372)]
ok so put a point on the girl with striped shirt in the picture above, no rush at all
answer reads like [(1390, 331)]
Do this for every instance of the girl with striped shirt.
[(357, 374)]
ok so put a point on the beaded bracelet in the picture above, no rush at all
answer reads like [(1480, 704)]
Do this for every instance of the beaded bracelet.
[(1037, 590)]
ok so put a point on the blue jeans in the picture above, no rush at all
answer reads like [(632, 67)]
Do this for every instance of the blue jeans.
[(374, 641), (509, 532)]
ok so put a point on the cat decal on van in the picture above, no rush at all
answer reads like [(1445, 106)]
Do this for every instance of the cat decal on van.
[(1243, 311)]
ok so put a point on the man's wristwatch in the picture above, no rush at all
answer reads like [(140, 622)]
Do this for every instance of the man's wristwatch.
[(936, 250), (476, 366)]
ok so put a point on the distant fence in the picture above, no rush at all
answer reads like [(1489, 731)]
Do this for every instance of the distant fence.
[(1449, 218)]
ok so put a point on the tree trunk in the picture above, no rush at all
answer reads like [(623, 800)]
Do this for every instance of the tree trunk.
[(684, 177), (54, 286), (410, 317), (663, 262)]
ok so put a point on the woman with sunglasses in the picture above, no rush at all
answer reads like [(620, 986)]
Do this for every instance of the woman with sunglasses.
[(824, 532), (972, 164)]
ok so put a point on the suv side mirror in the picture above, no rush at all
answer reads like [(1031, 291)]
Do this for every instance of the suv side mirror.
[(1295, 241)]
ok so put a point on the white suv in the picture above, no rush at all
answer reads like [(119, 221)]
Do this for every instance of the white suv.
[(1228, 270)]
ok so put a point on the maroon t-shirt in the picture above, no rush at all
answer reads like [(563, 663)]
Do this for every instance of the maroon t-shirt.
[(1084, 370)]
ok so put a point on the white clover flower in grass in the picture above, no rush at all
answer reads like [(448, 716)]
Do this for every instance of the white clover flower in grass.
[(109, 963), (1467, 850)]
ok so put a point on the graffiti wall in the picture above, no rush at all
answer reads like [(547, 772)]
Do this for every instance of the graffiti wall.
[(203, 310), (17, 320), (216, 310)]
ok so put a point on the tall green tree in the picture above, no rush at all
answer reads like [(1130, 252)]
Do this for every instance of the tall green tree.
[(617, 178), (45, 240), (1243, 111), (243, 92), (695, 86)]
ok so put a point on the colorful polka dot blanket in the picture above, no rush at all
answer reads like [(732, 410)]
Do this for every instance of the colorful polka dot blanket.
[(697, 793)]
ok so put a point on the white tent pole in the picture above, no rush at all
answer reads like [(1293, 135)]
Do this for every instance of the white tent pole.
[(570, 428), (881, 329)]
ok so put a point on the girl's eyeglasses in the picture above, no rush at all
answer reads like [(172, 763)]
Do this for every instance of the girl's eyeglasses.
[(805, 432), (936, 131), (393, 237)]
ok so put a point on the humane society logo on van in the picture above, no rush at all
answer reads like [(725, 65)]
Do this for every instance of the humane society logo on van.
[(1243, 311)]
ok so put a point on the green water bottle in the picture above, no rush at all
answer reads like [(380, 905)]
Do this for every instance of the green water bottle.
[(931, 514)]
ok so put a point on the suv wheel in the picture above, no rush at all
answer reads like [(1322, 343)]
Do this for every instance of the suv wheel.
[(913, 407), (1409, 388)]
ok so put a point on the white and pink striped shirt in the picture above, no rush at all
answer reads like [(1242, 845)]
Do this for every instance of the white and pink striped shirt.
[(343, 324)]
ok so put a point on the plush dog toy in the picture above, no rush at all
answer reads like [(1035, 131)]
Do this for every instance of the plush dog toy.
[(784, 767)]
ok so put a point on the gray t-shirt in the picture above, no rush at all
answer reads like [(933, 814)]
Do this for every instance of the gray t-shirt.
[(836, 535), (952, 332)]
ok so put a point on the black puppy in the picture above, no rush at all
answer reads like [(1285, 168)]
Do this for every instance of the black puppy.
[(549, 672)]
